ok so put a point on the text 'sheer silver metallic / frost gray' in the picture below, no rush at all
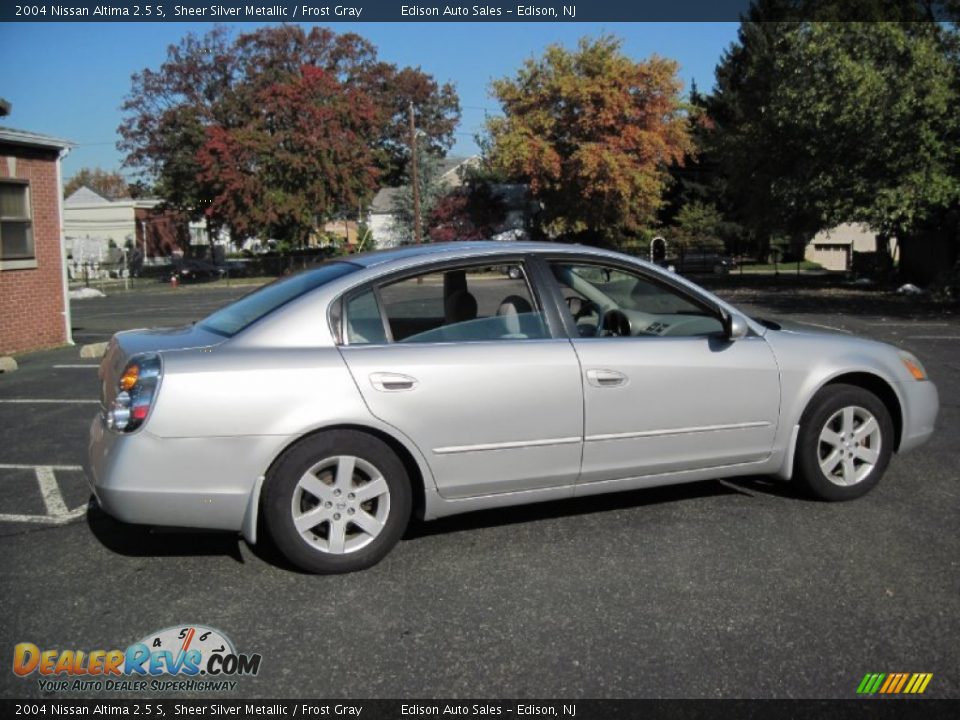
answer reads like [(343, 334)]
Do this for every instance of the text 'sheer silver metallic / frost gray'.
[(441, 379)]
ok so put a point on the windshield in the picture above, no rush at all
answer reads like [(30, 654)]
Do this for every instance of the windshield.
[(237, 316)]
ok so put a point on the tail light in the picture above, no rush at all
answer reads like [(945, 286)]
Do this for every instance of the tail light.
[(136, 392)]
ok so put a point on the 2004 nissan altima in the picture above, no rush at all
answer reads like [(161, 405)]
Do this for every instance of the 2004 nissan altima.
[(335, 403)]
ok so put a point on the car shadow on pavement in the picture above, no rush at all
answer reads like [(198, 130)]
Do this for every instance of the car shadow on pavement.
[(141, 541), (598, 504)]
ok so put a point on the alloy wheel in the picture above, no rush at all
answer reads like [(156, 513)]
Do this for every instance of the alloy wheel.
[(849, 446), (340, 504)]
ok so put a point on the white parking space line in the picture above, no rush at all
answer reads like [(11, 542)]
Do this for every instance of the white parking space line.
[(905, 323), (819, 325), (50, 491), (45, 519), (57, 511), (30, 401), (77, 366), (16, 466)]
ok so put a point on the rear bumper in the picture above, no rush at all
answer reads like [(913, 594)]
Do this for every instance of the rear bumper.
[(179, 482)]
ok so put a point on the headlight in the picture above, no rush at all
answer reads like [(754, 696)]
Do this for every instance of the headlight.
[(913, 366), (137, 390)]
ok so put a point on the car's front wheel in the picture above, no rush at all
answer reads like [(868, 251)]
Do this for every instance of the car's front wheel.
[(337, 502), (845, 442)]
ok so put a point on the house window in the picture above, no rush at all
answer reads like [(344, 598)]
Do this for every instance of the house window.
[(16, 226)]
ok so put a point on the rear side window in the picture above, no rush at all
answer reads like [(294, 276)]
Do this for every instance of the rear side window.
[(478, 303), (239, 315)]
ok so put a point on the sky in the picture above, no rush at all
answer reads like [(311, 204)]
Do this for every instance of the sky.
[(78, 73)]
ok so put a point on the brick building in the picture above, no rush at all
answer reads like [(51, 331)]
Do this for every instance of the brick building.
[(34, 311)]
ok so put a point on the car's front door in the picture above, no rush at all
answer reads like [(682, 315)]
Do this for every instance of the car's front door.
[(664, 391), (463, 361)]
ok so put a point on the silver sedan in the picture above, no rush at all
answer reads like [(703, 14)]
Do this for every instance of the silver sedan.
[(439, 379)]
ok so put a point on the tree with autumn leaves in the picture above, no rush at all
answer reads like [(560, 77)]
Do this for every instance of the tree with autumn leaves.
[(110, 185), (593, 132), (277, 130)]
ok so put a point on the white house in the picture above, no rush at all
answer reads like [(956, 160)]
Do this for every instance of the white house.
[(92, 218), (380, 218), (91, 222), (833, 249)]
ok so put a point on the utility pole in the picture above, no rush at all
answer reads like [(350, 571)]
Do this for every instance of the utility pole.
[(414, 173)]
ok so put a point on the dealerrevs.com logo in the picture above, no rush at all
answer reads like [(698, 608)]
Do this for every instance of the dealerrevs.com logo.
[(179, 658)]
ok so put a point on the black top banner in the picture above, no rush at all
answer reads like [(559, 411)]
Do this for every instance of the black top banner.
[(321, 11)]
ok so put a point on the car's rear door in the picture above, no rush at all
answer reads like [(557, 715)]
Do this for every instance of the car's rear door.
[(672, 395), (464, 360)]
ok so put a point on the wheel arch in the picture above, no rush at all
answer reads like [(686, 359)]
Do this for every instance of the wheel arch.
[(876, 385), (866, 379), (417, 474)]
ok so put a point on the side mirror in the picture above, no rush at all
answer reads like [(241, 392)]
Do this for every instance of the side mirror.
[(736, 327)]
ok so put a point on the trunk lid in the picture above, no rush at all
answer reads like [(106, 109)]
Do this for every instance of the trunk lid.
[(125, 345)]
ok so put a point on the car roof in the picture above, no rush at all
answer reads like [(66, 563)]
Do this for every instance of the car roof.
[(466, 249)]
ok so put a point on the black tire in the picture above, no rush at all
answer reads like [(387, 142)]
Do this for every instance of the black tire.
[(282, 486), (827, 406)]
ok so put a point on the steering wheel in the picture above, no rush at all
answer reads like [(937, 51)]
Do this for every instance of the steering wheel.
[(613, 323), (610, 323)]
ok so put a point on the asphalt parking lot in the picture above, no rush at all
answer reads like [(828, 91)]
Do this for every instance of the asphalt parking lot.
[(717, 589)]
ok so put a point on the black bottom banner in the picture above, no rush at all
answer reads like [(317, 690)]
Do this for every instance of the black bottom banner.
[(501, 709)]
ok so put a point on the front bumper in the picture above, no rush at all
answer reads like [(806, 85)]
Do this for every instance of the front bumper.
[(178, 482), (921, 406)]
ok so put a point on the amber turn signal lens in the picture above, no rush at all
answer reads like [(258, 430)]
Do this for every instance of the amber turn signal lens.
[(130, 377), (914, 368)]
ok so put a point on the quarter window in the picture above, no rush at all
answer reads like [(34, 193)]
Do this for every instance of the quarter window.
[(458, 305), (16, 226)]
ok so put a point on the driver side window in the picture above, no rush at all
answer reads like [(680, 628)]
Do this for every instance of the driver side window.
[(608, 301)]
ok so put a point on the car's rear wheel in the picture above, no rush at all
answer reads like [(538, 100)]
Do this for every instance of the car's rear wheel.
[(845, 442), (337, 502)]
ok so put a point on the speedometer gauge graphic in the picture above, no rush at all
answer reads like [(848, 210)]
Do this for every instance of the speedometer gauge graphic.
[(181, 639)]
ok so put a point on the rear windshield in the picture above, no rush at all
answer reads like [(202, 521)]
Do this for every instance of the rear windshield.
[(237, 316)]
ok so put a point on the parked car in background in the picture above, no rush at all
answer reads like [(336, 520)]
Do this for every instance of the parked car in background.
[(336, 403), (703, 263), (235, 268), (190, 270)]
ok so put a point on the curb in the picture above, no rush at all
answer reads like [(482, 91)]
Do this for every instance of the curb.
[(93, 350), (7, 364)]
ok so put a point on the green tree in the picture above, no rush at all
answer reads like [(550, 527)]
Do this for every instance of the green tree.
[(821, 123), (432, 189), (697, 184), (592, 131), (698, 227)]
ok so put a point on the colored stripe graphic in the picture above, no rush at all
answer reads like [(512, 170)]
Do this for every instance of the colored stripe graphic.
[(903, 680), (892, 678), (894, 683)]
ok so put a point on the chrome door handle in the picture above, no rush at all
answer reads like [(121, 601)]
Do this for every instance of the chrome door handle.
[(392, 382), (606, 378)]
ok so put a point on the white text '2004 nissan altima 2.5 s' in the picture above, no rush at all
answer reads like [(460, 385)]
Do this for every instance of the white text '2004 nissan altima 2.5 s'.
[(446, 378)]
